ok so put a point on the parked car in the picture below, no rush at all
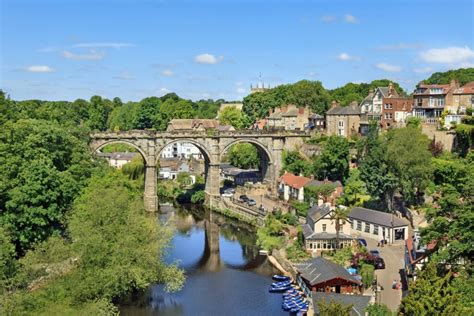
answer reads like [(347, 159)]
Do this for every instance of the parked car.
[(227, 195), (230, 190), (243, 198), (251, 202), (375, 252), (379, 263), (362, 242)]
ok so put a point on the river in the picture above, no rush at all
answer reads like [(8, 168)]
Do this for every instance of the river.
[(225, 275)]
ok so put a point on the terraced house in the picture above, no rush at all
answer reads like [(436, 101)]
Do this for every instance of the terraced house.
[(430, 100)]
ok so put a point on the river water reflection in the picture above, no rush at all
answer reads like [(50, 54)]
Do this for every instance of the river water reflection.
[(225, 275)]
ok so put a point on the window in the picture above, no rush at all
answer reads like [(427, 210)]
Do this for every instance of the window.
[(359, 225), (324, 227), (436, 90), (352, 224), (310, 245), (367, 227), (390, 115), (376, 230), (318, 246), (340, 128)]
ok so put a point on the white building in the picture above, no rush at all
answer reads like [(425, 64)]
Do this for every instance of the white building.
[(117, 160), (170, 168), (181, 150), (320, 233), (367, 223)]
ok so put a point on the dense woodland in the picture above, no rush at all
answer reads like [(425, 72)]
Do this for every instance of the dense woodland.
[(61, 210)]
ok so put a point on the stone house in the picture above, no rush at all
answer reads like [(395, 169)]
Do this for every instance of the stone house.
[(395, 111), (288, 118), (430, 100), (371, 106), (463, 98), (319, 232), (171, 167), (343, 121), (316, 122)]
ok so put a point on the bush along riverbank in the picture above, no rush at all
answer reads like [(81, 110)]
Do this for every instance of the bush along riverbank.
[(110, 248)]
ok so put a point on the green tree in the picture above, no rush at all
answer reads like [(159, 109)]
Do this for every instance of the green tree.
[(98, 113), (184, 179), (231, 116), (332, 308), (462, 75), (315, 192), (378, 310), (367, 274), (339, 217), (375, 170), (43, 167), (244, 155), (198, 197), (355, 190), (433, 294), (294, 162), (410, 161), (333, 163)]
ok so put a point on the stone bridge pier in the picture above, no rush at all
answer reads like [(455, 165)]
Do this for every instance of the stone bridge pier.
[(213, 147)]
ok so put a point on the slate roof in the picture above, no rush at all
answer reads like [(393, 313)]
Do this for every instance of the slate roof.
[(319, 183), (376, 217), (317, 212), (344, 110), (316, 116), (319, 270), (359, 302), (385, 92), (368, 98)]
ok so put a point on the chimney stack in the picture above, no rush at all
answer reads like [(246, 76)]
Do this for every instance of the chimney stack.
[(334, 104), (454, 83), (390, 89)]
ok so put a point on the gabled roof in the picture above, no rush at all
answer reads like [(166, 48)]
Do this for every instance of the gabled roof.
[(359, 302), (120, 156), (376, 217), (385, 92), (317, 212), (468, 88), (319, 270), (368, 98), (293, 181), (318, 183), (344, 110)]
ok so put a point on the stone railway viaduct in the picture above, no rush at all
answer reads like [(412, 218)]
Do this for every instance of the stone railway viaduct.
[(212, 144)]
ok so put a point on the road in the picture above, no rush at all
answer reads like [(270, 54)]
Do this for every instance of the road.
[(393, 256)]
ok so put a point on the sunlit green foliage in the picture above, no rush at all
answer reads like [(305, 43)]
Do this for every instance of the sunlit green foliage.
[(244, 155)]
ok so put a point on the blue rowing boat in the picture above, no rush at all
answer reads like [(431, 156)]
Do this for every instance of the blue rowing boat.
[(278, 289), (280, 284), (277, 277)]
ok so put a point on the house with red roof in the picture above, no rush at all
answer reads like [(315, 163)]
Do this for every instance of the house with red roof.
[(291, 186)]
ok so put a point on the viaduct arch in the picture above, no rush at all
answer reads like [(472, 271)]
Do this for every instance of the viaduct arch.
[(212, 145)]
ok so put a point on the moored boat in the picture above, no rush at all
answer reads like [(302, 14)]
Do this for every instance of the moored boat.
[(278, 289), (277, 277)]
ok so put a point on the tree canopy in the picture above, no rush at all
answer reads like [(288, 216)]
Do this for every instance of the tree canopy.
[(462, 75), (244, 156)]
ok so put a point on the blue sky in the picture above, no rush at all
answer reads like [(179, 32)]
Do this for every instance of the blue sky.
[(63, 50)]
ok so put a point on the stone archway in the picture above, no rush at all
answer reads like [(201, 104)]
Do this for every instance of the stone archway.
[(211, 166), (267, 165)]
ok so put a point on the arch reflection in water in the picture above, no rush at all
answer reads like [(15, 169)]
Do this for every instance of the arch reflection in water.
[(225, 274)]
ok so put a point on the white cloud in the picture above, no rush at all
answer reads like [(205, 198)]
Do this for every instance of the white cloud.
[(208, 59), (39, 68), (328, 18), (423, 70), (448, 55), (104, 45), (167, 73), (241, 90), (350, 18), (93, 55), (347, 57), (124, 76), (388, 67), (164, 90), (400, 46)]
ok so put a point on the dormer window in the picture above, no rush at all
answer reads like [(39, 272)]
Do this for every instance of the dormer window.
[(436, 90)]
